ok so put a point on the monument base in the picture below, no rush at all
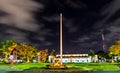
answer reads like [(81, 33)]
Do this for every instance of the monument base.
[(57, 65), (60, 66)]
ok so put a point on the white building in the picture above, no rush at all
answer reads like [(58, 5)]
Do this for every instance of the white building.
[(51, 59), (76, 58)]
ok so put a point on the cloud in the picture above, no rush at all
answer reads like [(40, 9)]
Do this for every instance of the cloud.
[(18, 22), (111, 8), (19, 13), (89, 41), (76, 4), (82, 39), (70, 24), (114, 33), (112, 26), (53, 18), (14, 35), (109, 22)]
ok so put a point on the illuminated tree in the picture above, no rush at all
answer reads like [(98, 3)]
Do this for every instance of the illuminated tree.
[(42, 55), (53, 53), (26, 52), (1, 49), (115, 49), (32, 52), (21, 51), (5, 47)]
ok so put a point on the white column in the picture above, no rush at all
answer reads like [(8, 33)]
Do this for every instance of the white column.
[(61, 38)]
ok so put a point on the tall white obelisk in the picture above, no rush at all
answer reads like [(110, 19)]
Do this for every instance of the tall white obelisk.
[(61, 47)]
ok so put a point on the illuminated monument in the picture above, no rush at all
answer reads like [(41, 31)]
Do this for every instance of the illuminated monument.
[(58, 63), (61, 47)]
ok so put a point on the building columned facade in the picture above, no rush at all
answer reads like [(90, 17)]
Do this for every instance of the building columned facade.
[(75, 58)]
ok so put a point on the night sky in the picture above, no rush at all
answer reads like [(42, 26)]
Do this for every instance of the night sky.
[(37, 22)]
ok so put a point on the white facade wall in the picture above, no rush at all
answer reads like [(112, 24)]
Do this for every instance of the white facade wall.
[(51, 58), (76, 60)]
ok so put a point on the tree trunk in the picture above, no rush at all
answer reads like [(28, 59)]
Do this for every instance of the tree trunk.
[(28, 60), (38, 60), (14, 57), (112, 60), (70, 59), (6, 58)]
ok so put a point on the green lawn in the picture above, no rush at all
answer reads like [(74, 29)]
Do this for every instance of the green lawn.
[(94, 66), (25, 66), (73, 67)]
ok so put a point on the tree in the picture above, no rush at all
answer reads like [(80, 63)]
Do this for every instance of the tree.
[(103, 54), (53, 53), (26, 52), (32, 52), (42, 55), (1, 54), (5, 47), (91, 54), (1, 49), (115, 49), (21, 51)]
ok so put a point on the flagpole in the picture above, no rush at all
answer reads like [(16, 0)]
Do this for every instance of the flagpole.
[(61, 47)]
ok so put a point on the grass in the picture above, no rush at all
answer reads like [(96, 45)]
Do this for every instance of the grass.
[(94, 66), (71, 67), (25, 66)]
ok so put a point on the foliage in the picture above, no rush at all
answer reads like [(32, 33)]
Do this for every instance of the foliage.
[(26, 52), (6, 48), (53, 53), (43, 54), (91, 53), (1, 53), (21, 51), (115, 49), (32, 52), (103, 54)]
